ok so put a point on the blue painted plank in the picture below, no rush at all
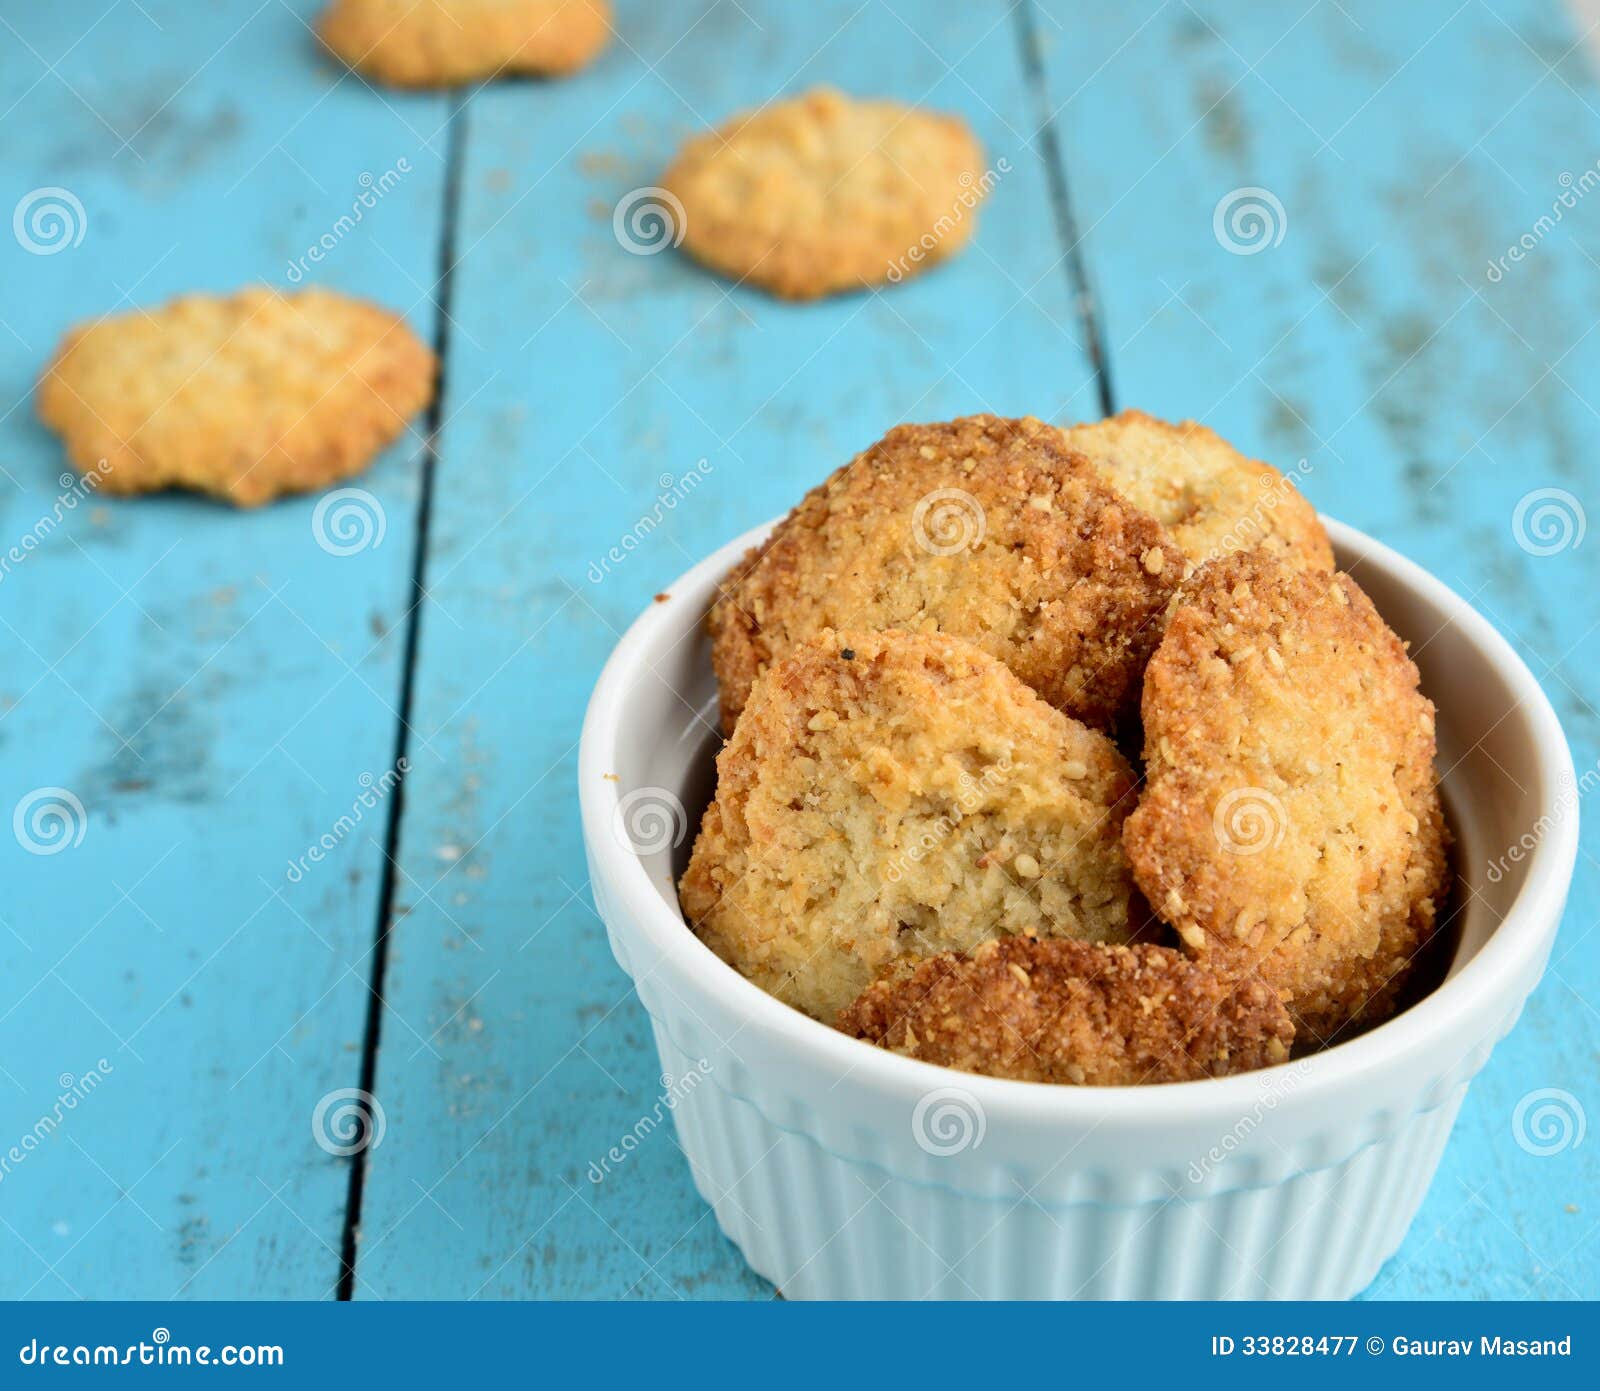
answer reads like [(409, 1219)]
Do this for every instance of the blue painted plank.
[(1297, 223), (585, 385), (210, 686)]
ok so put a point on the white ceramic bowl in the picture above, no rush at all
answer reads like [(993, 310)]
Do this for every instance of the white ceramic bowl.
[(843, 1171)]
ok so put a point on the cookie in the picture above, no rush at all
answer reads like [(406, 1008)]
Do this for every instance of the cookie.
[(890, 796), (245, 397), (1290, 826), (1076, 1013), (824, 193), (438, 43), (984, 528), (1213, 499)]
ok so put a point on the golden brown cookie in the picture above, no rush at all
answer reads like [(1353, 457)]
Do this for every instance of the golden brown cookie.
[(1074, 1012), (984, 528), (438, 43), (245, 397), (822, 193), (888, 796), (1213, 499), (1290, 825)]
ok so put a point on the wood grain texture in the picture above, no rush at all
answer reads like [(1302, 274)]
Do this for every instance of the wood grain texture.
[(209, 684), (1359, 328), (212, 685), (598, 380)]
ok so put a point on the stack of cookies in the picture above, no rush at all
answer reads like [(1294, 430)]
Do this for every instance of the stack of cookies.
[(1067, 755)]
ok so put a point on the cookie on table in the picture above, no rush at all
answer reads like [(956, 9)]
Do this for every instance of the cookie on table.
[(1074, 1012), (438, 43), (890, 796), (1290, 827), (245, 397), (823, 193), (1213, 499), (984, 528)]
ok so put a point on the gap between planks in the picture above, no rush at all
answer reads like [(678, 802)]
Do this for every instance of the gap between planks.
[(455, 144), (1055, 168)]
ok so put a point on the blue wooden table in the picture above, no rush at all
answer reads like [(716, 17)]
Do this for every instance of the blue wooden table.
[(1291, 223)]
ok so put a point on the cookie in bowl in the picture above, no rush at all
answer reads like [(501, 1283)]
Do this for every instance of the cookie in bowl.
[(889, 796), (1290, 827), (1074, 1013), (982, 527), (1214, 500)]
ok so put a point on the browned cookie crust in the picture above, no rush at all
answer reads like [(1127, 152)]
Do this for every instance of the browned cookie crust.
[(1074, 1012), (244, 397), (983, 528), (1290, 826), (822, 193), (888, 796), (1213, 499), (438, 43)]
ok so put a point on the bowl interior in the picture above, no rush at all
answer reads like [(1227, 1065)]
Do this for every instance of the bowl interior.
[(1498, 790)]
